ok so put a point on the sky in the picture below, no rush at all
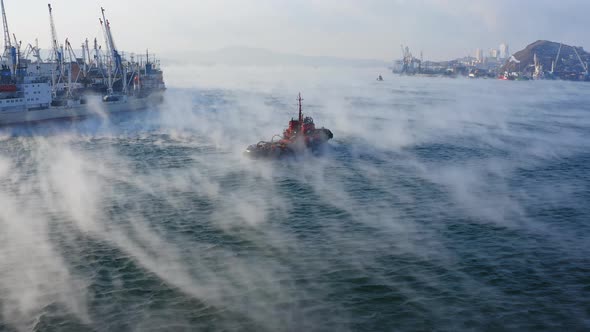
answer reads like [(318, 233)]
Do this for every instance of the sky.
[(369, 29)]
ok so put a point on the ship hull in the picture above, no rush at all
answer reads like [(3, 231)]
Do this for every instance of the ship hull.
[(93, 107), (278, 150)]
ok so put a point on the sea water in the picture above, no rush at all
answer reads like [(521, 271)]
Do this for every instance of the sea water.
[(440, 204)]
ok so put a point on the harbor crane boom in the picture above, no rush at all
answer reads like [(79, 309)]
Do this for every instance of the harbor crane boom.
[(34, 50), (581, 62), (17, 45), (57, 54), (556, 58), (111, 43), (97, 61), (7, 43), (54, 40)]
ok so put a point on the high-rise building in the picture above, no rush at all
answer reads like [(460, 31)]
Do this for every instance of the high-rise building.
[(504, 51), (479, 55), (494, 53)]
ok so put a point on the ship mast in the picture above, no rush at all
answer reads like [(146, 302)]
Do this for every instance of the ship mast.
[(85, 60), (97, 62), (69, 48), (300, 113), (109, 63)]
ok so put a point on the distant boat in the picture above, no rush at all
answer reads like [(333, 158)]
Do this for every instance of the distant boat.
[(380, 78)]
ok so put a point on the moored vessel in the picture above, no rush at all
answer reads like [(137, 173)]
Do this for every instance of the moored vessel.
[(68, 85)]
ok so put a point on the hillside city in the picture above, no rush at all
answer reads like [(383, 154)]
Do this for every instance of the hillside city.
[(539, 60)]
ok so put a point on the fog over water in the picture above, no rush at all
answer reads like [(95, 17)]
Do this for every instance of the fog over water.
[(441, 204)]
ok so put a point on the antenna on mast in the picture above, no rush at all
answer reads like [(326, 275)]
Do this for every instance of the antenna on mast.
[(300, 109)]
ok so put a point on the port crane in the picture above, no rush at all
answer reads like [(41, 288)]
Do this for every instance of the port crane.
[(56, 55), (584, 65), (17, 46), (114, 54), (556, 61), (97, 62), (408, 61), (72, 59), (406, 58), (557, 58), (34, 50), (9, 49), (7, 43)]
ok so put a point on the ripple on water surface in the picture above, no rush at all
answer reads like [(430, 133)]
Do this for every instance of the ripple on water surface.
[(442, 216)]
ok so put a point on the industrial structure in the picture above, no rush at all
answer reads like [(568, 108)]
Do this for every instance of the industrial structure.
[(539, 60), (35, 89), (549, 60), (408, 65)]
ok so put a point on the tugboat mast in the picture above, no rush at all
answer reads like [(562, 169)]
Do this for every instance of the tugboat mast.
[(300, 113)]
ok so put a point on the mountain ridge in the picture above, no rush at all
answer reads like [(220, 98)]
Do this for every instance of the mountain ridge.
[(547, 52)]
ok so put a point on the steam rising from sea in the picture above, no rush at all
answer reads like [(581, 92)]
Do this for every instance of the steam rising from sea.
[(440, 204)]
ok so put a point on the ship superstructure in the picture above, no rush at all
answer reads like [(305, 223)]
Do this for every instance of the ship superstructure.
[(65, 84)]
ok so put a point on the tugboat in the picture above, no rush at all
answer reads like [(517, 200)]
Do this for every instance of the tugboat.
[(301, 135)]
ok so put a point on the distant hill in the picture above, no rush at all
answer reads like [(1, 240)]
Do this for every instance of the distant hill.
[(248, 56), (546, 52)]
